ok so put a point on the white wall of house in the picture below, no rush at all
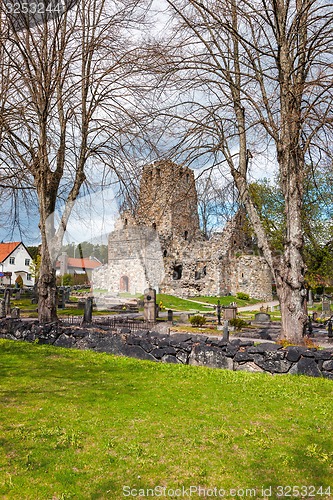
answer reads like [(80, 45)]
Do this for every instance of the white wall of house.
[(18, 263)]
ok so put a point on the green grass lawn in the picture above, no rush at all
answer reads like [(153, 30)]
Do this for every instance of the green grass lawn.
[(83, 425), (225, 301), (177, 304)]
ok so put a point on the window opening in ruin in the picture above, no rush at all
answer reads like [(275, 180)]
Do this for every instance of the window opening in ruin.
[(177, 272), (187, 178), (204, 271), (197, 275), (124, 284), (185, 235), (125, 222), (165, 253), (154, 226)]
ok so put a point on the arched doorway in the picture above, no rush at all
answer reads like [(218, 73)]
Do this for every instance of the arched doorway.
[(124, 282)]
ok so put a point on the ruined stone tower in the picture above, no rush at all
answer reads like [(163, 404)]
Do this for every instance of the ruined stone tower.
[(161, 245), (168, 201)]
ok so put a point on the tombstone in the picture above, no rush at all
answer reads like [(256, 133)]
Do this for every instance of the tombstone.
[(226, 331), (149, 307), (15, 313), (88, 308), (218, 310), (170, 316), (262, 317), (18, 295), (329, 328), (7, 301), (326, 306), (61, 299), (2, 308), (183, 318), (310, 300), (229, 312)]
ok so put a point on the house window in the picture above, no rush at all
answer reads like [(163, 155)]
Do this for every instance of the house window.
[(27, 262), (11, 260), (185, 235), (28, 277)]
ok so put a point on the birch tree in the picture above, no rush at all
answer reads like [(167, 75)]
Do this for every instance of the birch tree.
[(249, 79), (68, 111)]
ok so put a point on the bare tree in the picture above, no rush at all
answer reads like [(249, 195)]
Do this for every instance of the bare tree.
[(68, 112), (217, 201), (248, 80)]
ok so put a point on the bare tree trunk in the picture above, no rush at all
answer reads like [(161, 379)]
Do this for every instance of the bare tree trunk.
[(47, 289)]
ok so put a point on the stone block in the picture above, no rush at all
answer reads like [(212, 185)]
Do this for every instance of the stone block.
[(64, 341), (209, 356), (243, 357), (293, 353), (306, 366), (159, 352), (272, 362), (136, 351), (328, 365), (248, 367)]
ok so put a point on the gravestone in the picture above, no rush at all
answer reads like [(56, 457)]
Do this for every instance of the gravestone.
[(183, 318), (262, 317), (149, 307), (226, 331), (218, 311), (229, 312), (61, 299), (170, 316), (2, 308), (7, 301), (15, 313), (326, 306), (310, 300), (88, 308)]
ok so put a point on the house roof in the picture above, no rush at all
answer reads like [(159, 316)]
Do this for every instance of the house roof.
[(81, 263), (7, 248)]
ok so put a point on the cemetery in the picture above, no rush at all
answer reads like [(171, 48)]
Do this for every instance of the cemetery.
[(168, 337)]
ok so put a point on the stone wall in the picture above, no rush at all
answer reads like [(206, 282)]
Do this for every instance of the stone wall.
[(180, 348)]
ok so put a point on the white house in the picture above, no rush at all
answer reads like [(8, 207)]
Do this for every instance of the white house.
[(15, 261), (69, 265)]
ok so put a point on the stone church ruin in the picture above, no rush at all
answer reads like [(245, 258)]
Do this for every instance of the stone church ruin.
[(161, 245)]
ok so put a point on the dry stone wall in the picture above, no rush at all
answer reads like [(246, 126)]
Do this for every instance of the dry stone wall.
[(180, 348)]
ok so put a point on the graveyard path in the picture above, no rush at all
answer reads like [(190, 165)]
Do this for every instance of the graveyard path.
[(256, 307)]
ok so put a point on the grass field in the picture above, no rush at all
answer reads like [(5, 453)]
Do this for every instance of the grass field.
[(83, 425), (225, 301)]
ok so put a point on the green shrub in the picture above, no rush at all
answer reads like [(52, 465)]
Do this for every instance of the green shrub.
[(242, 296), (197, 320), (238, 323)]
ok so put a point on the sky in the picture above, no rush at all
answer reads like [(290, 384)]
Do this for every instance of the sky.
[(94, 216)]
